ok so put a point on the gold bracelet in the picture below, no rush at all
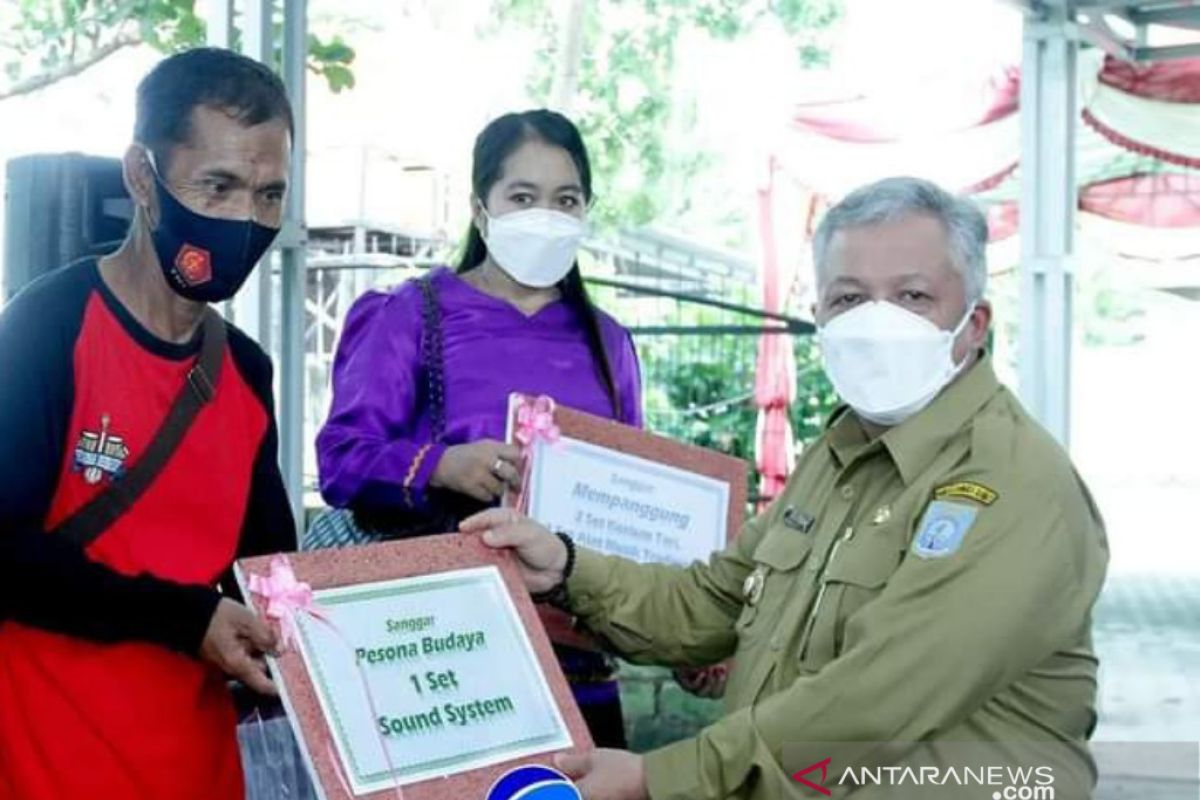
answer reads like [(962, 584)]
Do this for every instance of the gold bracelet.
[(413, 468)]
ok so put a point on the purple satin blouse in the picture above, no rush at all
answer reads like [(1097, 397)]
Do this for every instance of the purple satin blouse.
[(376, 447)]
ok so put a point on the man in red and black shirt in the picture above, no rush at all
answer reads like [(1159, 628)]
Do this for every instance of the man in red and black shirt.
[(114, 654)]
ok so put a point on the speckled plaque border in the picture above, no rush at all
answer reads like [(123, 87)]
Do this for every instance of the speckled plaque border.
[(427, 555), (607, 433)]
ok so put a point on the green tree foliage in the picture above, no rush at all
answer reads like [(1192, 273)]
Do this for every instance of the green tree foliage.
[(623, 98), (699, 388), (622, 58), (44, 41), (710, 402)]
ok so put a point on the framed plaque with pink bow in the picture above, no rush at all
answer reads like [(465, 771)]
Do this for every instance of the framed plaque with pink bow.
[(620, 490), (414, 669)]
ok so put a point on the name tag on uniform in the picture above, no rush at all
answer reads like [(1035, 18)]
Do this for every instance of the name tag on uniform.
[(798, 520), (942, 529)]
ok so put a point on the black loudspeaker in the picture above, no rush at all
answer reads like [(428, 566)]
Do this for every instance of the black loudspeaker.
[(59, 208)]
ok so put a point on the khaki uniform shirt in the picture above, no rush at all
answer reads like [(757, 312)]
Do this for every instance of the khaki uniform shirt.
[(935, 583)]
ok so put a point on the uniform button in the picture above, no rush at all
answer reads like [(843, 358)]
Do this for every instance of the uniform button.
[(814, 568), (776, 642), (848, 492)]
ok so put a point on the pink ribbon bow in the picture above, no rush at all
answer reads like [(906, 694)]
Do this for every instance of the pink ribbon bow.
[(535, 423), (285, 596)]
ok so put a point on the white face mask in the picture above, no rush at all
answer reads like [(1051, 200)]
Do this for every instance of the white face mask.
[(535, 246), (886, 362)]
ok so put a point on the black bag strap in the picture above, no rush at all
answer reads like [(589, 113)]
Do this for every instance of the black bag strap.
[(432, 358), (445, 507), (98, 515)]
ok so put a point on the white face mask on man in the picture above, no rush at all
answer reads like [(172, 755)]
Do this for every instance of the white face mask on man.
[(535, 246), (886, 362)]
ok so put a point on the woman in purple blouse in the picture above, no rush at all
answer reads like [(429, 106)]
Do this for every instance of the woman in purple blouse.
[(403, 441)]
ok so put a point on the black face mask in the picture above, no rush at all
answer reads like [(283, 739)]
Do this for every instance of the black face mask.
[(205, 259)]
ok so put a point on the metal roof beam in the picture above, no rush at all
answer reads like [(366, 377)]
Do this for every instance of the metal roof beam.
[(1162, 12), (1110, 6), (1184, 17), (1098, 33), (1167, 53)]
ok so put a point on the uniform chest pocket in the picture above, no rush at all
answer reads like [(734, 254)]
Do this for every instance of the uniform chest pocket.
[(866, 562), (856, 575), (783, 548), (776, 561)]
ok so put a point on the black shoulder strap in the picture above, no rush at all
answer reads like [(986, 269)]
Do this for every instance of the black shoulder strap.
[(98, 515), (431, 356)]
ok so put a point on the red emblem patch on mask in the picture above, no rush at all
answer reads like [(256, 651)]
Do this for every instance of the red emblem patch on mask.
[(194, 265)]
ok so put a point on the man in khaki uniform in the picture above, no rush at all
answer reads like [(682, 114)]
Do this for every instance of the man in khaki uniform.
[(928, 573)]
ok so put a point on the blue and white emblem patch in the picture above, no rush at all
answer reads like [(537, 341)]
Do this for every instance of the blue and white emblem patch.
[(942, 529)]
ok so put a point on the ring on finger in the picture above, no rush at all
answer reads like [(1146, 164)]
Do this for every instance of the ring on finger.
[(498, 467)]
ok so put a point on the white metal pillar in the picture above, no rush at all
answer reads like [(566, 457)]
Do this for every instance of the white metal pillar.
[(251, 309), (218, 22), (1048, 202), (252, 306), (293, 275)]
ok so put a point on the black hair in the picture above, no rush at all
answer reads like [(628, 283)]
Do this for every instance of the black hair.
[(493, 146), (205, 76)]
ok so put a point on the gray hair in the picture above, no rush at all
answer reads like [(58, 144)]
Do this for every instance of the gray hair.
[(893, 198)]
